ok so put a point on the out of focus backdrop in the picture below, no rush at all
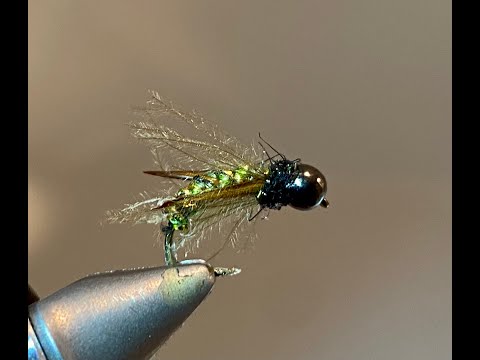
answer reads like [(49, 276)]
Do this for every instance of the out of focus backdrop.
[(362, 90)]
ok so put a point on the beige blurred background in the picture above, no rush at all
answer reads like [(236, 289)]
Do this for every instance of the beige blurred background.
[(361, 89)]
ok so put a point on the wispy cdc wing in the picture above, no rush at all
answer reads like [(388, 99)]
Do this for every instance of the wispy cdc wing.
[(207, 148), (140, 211)]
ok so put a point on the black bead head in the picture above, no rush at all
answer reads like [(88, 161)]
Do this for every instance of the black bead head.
[(308, 189), (301, 186)]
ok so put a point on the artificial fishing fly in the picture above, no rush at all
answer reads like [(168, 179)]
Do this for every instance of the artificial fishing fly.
[(222, 181)]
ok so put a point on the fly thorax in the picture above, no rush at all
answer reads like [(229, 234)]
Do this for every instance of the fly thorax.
[(275, 192)]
